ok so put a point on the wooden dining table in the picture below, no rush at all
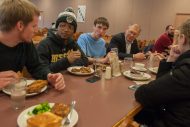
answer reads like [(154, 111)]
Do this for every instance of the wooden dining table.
[(99, 104)]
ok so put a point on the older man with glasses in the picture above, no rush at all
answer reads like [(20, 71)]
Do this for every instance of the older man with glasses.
[(127, 44)]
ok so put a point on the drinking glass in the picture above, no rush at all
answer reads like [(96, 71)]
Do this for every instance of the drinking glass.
[(128, 63), (97, 69), (114, 50), (150, 61), (18, 93)]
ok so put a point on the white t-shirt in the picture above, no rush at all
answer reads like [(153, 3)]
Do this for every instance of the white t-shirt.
[(128, 46)]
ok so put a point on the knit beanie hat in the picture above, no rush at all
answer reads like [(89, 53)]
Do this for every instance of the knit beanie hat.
[(67, 16)]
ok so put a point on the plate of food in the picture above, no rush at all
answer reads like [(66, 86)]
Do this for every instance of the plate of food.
[(101, 66), (143, 69), (46, 115), (153, 69), (33, 87), (80, 70), (139, 67), (136, 75)]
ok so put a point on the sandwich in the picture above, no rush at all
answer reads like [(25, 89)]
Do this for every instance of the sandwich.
[(46, 119)]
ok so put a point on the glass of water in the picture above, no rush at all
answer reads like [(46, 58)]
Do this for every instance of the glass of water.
[(115, 50), (128, 62), (18, 93)]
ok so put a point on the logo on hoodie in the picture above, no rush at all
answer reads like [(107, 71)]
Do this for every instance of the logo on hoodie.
[(56, 57)]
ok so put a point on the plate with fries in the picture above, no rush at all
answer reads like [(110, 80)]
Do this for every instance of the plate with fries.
[(80, 70), (33, 87)]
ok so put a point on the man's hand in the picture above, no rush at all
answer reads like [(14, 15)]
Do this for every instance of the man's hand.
[(73, 55), (139, 56), (6, 77), (174, 53), (103, 60), (56, 80), (156, 55)]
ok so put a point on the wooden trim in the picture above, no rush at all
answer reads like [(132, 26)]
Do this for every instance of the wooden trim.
[(182, 13), (181, 18), (129, 116)]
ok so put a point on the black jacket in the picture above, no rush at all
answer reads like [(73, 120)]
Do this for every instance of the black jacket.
[(23, 54), (53, 53), (168, 97), (118, 41)]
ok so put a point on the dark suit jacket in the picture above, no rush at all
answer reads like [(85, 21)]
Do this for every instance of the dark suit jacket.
[(118, 41)]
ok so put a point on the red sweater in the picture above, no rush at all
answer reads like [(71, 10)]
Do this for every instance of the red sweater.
[(162, 43)]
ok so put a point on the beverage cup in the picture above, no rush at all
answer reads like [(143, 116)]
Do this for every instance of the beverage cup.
[(114, 50), (128, 62), (18, 93)]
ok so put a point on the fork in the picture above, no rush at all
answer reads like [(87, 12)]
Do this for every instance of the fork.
[(68, 118)]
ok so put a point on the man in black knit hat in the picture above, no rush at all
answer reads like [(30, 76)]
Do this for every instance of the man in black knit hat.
[(58, 50)]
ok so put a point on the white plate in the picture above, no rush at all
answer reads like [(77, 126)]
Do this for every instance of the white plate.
[(7, 91), (79, 73), (134, 87), (142, 77), (22, 118), (139, 69), (153, 69)]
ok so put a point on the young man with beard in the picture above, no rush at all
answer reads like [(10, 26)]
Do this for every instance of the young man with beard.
[(18, 21), (92, 44), (58, 50), (165, 40)]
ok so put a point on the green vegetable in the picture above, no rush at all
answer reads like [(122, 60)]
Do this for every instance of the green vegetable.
[(29, 113), (41, 108)]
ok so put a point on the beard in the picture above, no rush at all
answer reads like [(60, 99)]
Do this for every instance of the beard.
[(171, 35)]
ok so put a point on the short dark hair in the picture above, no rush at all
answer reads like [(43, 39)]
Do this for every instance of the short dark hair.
[(101, 20), (168, 26)]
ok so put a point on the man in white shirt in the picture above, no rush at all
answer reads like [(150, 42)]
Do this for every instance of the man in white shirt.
[(127, 44)]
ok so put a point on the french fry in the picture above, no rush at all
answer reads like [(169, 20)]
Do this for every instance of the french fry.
[(19, 74), (36, 86)]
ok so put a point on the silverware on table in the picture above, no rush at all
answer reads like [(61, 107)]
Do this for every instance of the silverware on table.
[(69, 116)]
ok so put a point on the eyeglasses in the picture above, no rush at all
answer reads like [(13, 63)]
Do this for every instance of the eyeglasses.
[(133, 33)]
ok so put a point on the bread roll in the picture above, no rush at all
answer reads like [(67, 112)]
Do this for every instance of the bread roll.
[(46, 119), (60, 109)]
